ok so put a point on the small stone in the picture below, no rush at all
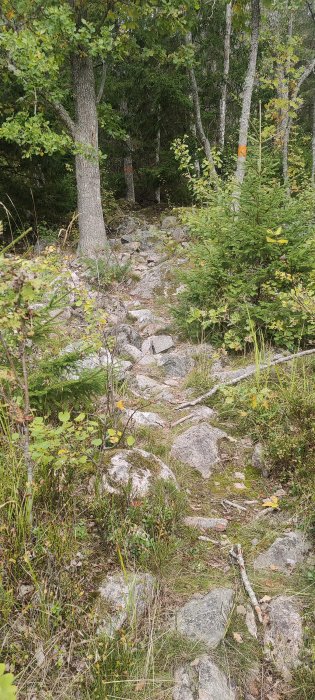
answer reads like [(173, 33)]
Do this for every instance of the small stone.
[(240, 486), (137, 469), (205, 619), (176, 364), (145, 418), (241, 610), (199, 447), (217, 524), (239, 475), (202, 680), (285, 553), (258, 459), (284, 635), (161, 343), (124, 598)]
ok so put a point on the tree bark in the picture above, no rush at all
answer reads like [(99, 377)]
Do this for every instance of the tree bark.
[(286, 140), (92, 241), (226, 69), (128, 165), (247, 94), (313, 145), (198, 119), (157, 161)]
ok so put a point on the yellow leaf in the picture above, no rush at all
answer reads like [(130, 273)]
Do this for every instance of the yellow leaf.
[(120, 404), (254, 401), (271, 503)]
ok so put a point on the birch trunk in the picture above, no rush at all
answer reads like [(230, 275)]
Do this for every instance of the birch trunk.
[(198, 119), (286, 140), (247, 94), (313, 145), (226, 69), (128, 165), (157, 163), (92, 241)]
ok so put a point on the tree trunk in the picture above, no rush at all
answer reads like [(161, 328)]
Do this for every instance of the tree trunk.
[(247, 94), (286, 140), (157, 162), (128, 165), (92, 242), (226, 69), (199, 125), (313, 145)]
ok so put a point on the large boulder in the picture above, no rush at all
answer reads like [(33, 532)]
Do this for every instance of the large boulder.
[(284, 635), (199, 447), (204, 619), (202, 680), (136, 469), (156, 344), (285, 553), (124, 599)]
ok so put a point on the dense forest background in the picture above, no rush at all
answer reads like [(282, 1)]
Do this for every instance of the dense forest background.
[(143, 77)]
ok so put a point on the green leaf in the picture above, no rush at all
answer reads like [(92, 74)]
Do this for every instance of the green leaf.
[(96, 442), (130, 441), (64, 417), (7, 689), (80, 418)]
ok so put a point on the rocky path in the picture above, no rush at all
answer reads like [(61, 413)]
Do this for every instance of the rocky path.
[(224, 479)]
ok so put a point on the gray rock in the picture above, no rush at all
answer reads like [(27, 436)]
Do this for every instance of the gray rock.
[(145, 418), (199, 447), (169, 222), (124, 598), (152, 282), (205, 619), (136, 469), (217, 524), (132, 352), (157, 344), (258, 459), (284, 635), (179, 234), (285, 553), (126, 334), (176, 364), (202, 680), (141, 315), (149, 388), (250, 621)]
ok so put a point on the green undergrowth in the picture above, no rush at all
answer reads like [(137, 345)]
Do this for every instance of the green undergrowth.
[(276, 408)]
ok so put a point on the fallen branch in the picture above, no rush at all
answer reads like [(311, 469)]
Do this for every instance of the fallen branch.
[(233, 505), (237, 554), (247, 373)]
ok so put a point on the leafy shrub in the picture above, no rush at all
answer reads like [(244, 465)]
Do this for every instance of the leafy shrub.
[(279, 409), (7, 689), (256, 267)]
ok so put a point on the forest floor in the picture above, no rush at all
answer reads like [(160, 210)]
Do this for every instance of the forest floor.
[(215, 644)]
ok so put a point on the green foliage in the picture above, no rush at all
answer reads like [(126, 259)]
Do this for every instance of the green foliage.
[(277, 408), (143, 530), (255, 267), (7, 689), (104, 272)]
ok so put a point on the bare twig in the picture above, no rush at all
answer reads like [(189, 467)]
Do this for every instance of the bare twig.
[(237, 554), (247, 373), (234, 505)]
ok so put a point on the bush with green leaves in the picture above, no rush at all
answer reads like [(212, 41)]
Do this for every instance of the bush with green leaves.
[(255, 268), (7, 688)]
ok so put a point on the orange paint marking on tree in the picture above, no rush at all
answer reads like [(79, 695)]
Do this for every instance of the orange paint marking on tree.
[(242, 151)]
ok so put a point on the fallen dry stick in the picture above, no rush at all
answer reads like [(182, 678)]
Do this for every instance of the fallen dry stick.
[(237, 554), (246, 373), (233, 505)]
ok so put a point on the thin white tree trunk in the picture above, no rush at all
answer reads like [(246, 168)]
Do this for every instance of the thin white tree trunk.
[(198, 119), (157, 162), (313, 145), (226, 69), (247, 95), (128, 165), (286, 140), (92, 242)]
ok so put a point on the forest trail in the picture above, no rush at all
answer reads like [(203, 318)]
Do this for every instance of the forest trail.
[(224, 477)]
